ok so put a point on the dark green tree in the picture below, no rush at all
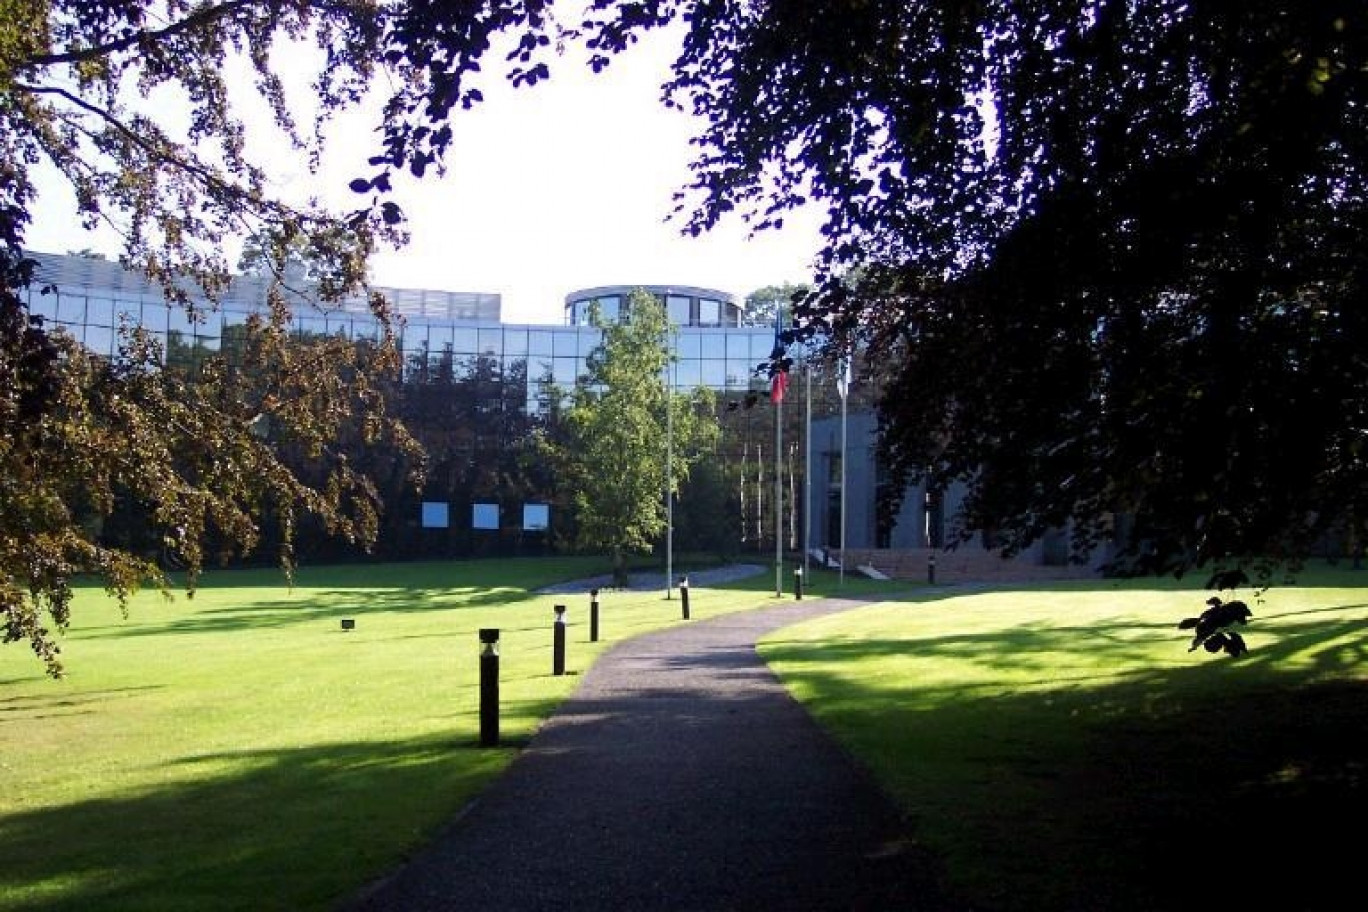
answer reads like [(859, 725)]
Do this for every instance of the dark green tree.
[(1104, 253)]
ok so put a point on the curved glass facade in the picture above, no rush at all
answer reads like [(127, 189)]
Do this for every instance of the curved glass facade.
[(686, 305)]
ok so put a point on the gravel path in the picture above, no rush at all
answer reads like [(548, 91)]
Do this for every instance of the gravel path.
[(679, 776)]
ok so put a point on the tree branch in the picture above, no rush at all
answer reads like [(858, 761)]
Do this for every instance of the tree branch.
[(207, 14)]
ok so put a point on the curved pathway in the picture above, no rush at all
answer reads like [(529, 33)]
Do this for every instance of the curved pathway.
[(680, 775)]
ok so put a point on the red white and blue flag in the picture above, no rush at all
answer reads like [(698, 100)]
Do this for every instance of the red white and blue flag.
[(779, 379)]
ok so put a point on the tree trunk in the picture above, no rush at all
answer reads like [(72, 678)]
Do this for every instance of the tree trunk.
[(619, 569)]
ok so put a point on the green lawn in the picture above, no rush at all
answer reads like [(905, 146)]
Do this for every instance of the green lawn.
[(1058, 747), (240, 751)]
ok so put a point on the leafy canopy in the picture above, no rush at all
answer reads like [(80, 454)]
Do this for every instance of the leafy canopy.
[(133, 104), (1107, 253)]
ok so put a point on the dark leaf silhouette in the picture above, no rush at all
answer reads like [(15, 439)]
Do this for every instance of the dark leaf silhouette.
[(1210, 627)]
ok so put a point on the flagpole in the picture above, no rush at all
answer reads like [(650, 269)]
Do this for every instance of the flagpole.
[(843, 387), (778, 387), (843, 491), (779, 497), (669, 467), (807, 473)]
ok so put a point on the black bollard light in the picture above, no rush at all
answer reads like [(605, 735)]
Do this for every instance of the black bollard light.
[(558, 643), (931, 569), (798, 583), (489, 687), (593, 615), (684, 595)]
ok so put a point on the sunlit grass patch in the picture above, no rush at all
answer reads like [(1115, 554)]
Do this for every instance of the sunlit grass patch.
[(242, 751), (1061, 748)]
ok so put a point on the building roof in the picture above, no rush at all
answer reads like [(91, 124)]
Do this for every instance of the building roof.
[(249, 292)]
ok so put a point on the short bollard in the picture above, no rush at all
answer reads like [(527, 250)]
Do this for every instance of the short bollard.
[(684, 595), (489, 687), (593, 615), (558, 643), (931, 569), (798, 583)]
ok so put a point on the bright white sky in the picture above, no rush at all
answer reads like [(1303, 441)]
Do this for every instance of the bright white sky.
[(549, 189)]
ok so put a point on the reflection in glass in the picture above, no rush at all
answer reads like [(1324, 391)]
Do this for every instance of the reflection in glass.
[(539, 342), (514, 341), (709, 312), (679, 309), (687, 346), (491, 341)]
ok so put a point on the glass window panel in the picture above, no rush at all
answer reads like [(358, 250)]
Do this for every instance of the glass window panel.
[(714, 345), (491, 340), (536, 517), (687, 346), (738, 346), (464, 340), (539, 369), (436, 514), (484, 516), (679, 308), (566, 342), (714, 373), (589, 340), (515, 375), (709, 312), (309, 326), (71, 308), (539, 342), (514, 341), (688, 374), (99, 339), (610, 308), (442, 339), (177, 318), (566, 370), (99, 311)]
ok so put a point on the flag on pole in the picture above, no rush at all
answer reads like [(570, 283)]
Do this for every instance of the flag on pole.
[(778, 386), (779, 380), (843, 377)]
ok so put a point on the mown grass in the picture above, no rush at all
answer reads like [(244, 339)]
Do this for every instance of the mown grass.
[(1058, 747), (240, 751)]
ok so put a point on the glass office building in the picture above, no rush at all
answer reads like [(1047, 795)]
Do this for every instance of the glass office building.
[(445, 336), (458, 335), (89, 297)]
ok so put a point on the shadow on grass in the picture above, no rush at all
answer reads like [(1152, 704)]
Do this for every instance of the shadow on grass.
[(287, 829), (435, 574), (1226, 783), (318, 606), (33, 707)]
